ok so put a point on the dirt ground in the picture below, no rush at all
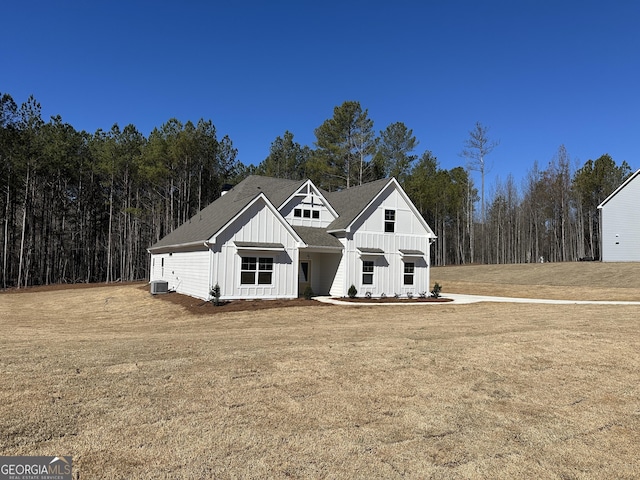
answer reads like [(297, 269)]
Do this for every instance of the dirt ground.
[(136, 386)]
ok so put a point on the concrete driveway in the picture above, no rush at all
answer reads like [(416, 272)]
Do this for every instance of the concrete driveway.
[(459, 298)]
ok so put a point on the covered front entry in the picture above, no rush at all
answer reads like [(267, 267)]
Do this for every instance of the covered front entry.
[(304, 276), (317, 270)]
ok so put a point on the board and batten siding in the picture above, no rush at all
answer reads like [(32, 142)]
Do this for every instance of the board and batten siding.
[(337, 288), (258, 224), (309, 201), (621, 223), (409, 234)]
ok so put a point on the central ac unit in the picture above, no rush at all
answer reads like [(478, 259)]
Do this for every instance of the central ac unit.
[(159, 286)]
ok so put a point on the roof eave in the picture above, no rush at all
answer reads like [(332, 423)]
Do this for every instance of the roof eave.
[(615, 192), (204, 244)]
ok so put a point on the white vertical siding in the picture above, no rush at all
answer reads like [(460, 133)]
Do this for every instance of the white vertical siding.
[(258, 225), (621, 225), (337, 288), (409, 234), (311, 202)]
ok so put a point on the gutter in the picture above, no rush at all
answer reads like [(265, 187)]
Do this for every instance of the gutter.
[(178, 246)]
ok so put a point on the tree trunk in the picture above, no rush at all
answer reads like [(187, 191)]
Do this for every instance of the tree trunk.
[(24, 225), (109, 259), (5, 247)]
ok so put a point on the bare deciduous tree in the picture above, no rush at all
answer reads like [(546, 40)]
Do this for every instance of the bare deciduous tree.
[(476, 148)]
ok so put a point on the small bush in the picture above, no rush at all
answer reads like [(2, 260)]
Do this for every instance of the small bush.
[(423, 294), (308, 293), (409, 295), (352, 291), (435, 293), (368, 294), (215, 294), (383, 295)]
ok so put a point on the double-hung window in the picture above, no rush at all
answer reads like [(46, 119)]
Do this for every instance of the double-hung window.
[(389, 221), (409, 270), (256, 271), (367, 272)]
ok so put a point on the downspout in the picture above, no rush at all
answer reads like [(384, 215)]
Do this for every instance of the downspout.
[(210, 276)]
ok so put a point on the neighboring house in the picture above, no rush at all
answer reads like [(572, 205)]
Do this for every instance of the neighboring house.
[(271, 238), (620, 222)]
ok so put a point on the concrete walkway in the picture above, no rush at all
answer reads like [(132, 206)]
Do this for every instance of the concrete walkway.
[(459, 299)]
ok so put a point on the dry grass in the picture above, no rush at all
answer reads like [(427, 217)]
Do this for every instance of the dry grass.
[(572, 281), (137, 387)]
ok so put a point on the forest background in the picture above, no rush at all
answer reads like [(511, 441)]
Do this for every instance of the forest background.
[(84, 207)]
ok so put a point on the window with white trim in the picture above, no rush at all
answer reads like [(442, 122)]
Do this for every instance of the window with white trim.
[(256, 271), (389, 221), (409, 271), (367, 272)]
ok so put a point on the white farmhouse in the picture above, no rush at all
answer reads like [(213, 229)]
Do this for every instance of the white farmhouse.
[(620, 222), (272, 238)]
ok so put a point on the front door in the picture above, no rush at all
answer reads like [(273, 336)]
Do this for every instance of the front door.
[(304, 276)]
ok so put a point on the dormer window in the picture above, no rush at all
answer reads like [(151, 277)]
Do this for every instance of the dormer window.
[(306, 213), (389, 221)]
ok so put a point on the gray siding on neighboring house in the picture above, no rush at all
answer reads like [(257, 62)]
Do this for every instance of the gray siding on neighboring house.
[(620, 223)]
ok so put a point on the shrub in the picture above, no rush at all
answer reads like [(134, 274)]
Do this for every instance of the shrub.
[(409, 294), (352, 291), (368, 294), (435, 293), (308, 292), (215, 294)]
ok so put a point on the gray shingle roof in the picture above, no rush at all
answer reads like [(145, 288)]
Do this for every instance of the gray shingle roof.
[(317, 237), (350, 202), (202, 226)]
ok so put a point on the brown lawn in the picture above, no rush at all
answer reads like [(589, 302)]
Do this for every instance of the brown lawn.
[(135, 386)]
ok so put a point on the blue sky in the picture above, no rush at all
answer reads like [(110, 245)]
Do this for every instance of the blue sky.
[(539, 74)]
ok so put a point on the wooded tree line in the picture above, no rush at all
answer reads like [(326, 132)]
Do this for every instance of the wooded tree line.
[(82, 207)]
